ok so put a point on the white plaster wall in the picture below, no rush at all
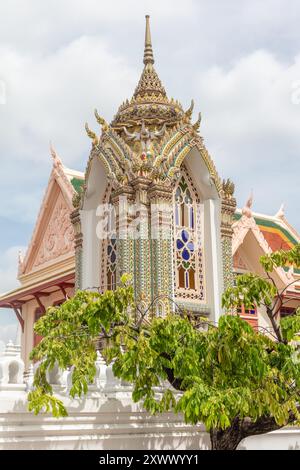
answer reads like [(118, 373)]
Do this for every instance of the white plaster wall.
[(101, 421), (111, 421), (96, 185), (213, 256), (212, 234)]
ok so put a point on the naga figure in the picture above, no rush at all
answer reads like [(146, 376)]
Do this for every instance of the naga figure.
[(145, 137)]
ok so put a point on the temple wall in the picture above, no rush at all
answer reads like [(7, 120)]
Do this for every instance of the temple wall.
[(112, 421), (105, 419)]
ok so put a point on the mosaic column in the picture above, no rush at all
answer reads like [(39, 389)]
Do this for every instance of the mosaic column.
[(160, 198), (123, 200), (228, 208), (142, 241), (76, 222)]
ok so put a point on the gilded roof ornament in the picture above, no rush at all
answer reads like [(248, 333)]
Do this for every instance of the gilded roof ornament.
[(196, 126), (151, 135), (92, 135), (101, 121), (189, 111), (228, 188)]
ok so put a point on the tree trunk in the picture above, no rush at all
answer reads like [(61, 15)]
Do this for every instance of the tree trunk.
[(227, 439)]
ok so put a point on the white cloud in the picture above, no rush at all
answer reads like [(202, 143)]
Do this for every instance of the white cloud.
[(58, 68), (9, 326), (252, 128), (9, 268), (50, 98)]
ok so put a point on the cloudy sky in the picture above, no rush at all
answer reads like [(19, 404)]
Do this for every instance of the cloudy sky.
[(59, 59)]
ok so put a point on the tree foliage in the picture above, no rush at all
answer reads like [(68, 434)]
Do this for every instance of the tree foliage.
[(235, 380)]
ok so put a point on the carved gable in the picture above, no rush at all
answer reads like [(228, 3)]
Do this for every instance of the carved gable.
[(57, 237)]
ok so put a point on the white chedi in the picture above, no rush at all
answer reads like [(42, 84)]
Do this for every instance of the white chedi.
[(11, 365)]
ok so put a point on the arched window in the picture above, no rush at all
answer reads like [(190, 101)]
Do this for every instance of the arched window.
[(108, 243), (111, 263), (187, 241)]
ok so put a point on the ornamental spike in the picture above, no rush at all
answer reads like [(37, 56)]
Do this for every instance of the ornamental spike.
[(280, 213), (148, 52), (196, 126), (189, 111), (247, 209), (56, 160), (101, 120), (91, 135)]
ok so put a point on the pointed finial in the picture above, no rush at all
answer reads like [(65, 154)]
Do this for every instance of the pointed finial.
[(56, 160), (280, 213), (92, 135), (247, 207), (189, 112), (148, 52), (196, 126)]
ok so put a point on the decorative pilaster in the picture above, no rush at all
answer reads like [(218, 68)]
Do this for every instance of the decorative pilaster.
[(142, 241), (78, 240), (228, 208), (123, 200), (160, 197)]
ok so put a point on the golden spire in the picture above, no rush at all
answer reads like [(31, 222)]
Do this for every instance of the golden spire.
[(149, 104), (148, 52), (149, 83)]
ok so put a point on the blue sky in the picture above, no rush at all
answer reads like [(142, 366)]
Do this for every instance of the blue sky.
[(239, 60)]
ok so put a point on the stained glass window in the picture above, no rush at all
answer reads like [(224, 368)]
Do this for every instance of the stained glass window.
[(111, 263), (188, 256)]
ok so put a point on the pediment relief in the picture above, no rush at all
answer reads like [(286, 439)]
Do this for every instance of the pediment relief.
[(57, 237)]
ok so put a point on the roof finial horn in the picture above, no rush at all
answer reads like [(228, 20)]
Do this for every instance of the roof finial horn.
[(148, 52)]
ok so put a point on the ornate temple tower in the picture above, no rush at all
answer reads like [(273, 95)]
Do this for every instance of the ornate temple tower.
[(153, 205)]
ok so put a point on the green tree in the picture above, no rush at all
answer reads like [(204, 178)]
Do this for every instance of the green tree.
[(237, 381)]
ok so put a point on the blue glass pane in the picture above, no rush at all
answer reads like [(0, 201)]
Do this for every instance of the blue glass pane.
[(113, 257), (113, 241), (109, 248), (185, 254), (190, 246), (184, 236), (179, 244)]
